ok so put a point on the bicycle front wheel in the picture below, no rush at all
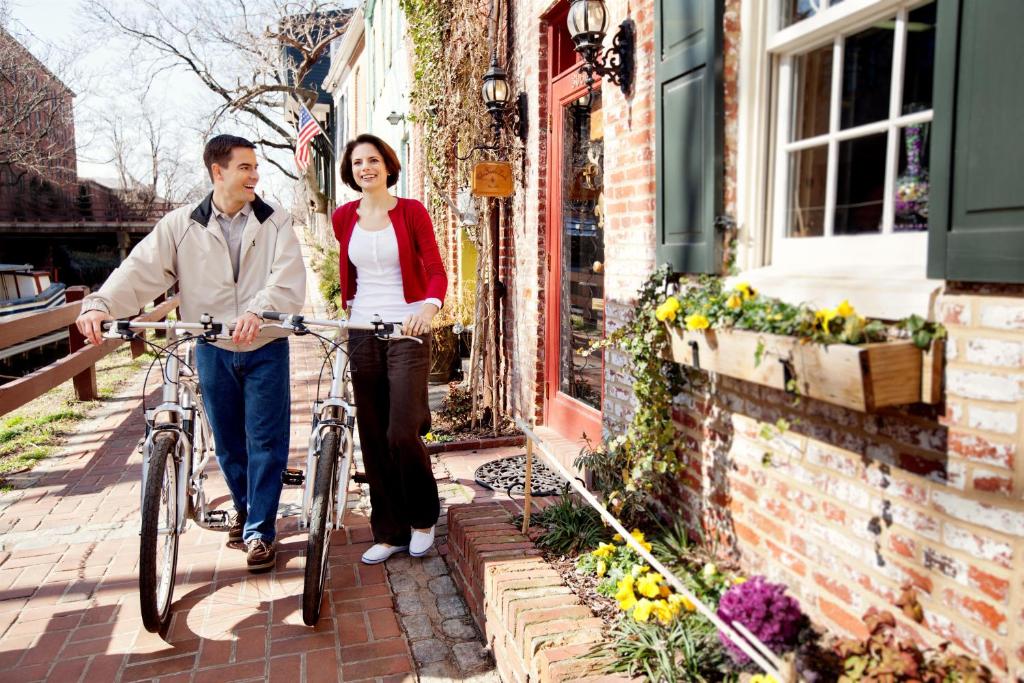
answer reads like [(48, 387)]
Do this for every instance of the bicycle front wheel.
[(319, 536), (158, 545)]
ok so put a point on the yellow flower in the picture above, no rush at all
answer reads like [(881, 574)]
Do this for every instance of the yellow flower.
[(617, 538), (665, 591), (429, 436), (624, 588), (697, 322), (667, 310), (734, 302), (642, 610), (844, 309), (746, 289), (676, 601), (602, 567), (663, 612), (603, 550), (639, 537), (737, 580), (824, 317), (647, 585), (763, 678)]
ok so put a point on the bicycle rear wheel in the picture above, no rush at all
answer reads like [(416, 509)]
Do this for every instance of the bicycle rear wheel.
[(158, 545), (319, 536)]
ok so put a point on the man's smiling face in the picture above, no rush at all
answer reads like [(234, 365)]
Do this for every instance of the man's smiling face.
[(237, 181)]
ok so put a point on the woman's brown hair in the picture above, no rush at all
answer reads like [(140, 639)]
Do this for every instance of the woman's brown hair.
[(391, 162)]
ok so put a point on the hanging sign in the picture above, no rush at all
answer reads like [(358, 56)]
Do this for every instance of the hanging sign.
[(492, 179)]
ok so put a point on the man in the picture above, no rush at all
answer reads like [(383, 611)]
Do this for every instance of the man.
[(232, 255)]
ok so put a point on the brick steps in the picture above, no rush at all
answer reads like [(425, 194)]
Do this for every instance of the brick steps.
[(534, 624)]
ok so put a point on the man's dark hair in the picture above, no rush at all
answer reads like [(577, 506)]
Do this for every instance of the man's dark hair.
[(218, 151), (391, 163)]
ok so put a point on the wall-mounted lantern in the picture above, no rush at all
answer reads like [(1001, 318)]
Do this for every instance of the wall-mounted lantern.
[(394, 117), (497, 95), (588, 24)]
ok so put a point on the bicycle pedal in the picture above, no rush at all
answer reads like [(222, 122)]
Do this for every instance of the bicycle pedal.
[(360, 478), (216, 519), (293, 477)]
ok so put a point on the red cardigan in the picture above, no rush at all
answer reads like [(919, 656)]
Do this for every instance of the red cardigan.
[(423, 273)]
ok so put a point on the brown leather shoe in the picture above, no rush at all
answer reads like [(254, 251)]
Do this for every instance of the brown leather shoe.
[(260, 555), (236, 529)]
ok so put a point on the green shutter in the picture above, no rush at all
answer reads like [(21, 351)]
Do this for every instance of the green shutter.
[(688, 74), (976, 227)]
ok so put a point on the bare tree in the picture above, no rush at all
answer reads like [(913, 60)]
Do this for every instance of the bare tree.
[(253, 56), (36, 124)]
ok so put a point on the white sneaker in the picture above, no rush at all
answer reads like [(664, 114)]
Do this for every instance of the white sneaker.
[(380, 552), (421, 542)]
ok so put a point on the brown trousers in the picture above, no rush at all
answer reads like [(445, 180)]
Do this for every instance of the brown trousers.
[(390, 383)]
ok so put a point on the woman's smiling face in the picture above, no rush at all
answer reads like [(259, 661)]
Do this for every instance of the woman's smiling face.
[(368, 167)]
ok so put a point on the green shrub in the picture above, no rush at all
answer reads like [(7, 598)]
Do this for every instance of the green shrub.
[(686, 650), (571, 526)]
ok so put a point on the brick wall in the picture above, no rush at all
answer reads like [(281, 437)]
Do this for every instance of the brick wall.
[(846, 508)]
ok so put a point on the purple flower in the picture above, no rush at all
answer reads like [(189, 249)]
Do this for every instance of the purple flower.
[(767, 612)]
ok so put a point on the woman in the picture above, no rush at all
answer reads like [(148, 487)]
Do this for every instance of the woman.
[(390, 266)]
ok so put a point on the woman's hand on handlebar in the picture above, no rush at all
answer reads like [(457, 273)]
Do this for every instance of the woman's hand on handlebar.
[(419, 323), (246, 329), (90, 324)]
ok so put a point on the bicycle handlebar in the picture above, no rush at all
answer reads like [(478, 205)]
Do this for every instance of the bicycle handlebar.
[(297, 323), (209, 328)]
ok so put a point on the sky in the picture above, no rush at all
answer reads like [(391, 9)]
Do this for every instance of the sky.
[(55, 26)]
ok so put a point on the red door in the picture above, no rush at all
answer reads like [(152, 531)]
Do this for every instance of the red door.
[(574, 376)]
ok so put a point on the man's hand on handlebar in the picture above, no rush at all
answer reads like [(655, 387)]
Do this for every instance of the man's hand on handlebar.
[(246, 329), (90, 325)]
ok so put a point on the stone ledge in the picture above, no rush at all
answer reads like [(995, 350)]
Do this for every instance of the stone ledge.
[(534, 624)]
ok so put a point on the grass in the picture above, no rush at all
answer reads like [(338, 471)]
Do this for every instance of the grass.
[(37, 429), (570, 526)]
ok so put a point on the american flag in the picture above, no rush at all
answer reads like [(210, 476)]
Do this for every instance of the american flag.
[(308, 129)]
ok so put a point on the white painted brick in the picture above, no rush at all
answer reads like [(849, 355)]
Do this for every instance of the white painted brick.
[(985, 386), (1003, 520), (1007, 354), (1003, 317), (992, 419), (976, 545)]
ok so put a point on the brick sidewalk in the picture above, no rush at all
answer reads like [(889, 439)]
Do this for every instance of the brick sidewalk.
[(68, 581)]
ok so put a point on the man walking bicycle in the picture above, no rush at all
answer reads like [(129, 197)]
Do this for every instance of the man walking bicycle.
[(232, 254)]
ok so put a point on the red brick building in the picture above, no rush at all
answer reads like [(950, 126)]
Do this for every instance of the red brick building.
[(801, 127), (38, 165)]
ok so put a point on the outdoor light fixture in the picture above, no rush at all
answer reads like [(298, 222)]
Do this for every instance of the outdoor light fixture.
[(394, 117), (588, 24), (497, 95)]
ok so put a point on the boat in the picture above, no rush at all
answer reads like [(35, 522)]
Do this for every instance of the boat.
[(23, 289)]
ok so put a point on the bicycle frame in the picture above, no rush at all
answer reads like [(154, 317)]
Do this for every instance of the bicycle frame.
[(182, 413)]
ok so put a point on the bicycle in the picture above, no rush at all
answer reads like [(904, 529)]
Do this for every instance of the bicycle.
[(325, 493), (177, 448)]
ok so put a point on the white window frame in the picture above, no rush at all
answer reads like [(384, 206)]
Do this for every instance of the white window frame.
[(906, 251)]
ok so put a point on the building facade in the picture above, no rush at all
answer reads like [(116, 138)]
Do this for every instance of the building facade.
[(825, 151)]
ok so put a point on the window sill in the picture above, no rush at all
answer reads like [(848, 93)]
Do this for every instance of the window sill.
[(877, 292)]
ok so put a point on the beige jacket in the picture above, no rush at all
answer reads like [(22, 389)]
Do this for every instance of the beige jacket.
[(188, 247)]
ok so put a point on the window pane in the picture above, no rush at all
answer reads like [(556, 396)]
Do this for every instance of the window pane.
[(860, 185), (798, 10), (867, 73), (808, 172), (919, 65), (911, 201), (812, 79)]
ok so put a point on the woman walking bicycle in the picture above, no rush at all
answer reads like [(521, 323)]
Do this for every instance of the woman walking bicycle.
[(390, 267)]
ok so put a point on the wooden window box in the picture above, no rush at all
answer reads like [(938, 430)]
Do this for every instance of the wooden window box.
[(864, 377)]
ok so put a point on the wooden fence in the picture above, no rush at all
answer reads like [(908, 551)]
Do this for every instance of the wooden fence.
[(79, 365)]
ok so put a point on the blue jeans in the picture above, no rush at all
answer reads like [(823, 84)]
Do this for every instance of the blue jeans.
[(248, 400)]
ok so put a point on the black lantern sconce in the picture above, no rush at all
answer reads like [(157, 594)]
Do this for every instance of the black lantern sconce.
[(588, 24), (497, 97)]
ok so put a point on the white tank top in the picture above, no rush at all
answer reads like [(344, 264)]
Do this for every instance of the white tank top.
[(379, 290)]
